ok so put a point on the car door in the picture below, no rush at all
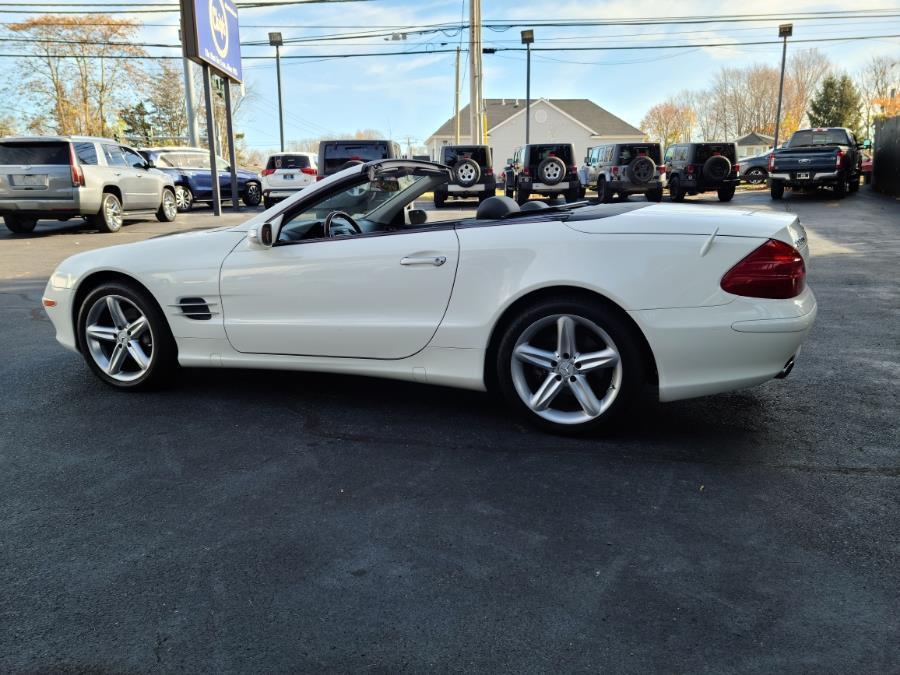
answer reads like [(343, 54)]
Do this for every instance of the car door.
[(122, 176), (378, 295), (147, 186)]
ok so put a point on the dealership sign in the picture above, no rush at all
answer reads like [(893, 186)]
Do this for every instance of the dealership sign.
[(211, 35)]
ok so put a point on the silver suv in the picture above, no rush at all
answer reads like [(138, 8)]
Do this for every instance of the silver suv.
[(623, 169), (62, 177)]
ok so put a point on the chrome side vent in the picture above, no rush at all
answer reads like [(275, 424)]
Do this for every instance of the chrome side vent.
[(196, 308)]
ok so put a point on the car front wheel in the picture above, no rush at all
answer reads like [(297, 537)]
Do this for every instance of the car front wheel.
[(168, 209), (252, 194), (20, 225), (124, 337), (184, 198), (568, 366)]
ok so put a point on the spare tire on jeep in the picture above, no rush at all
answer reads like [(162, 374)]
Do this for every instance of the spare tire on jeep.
[(641, 170), (551, 171), (717, 167), (467, 172)]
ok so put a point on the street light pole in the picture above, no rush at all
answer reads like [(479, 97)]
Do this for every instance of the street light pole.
[(276, 41), (527, 40), (785, 30)]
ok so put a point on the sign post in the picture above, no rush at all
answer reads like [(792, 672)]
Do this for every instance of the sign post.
[(211, 37)]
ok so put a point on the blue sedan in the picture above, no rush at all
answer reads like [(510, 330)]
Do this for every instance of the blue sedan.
[(190, 170)]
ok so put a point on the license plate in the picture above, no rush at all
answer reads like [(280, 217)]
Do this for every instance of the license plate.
[(803, 176), (289, 176), (30, 179)]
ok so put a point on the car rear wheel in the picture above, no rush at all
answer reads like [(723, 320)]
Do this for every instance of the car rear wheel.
[(569, 366), (756, 176), (19, 224), (184, 198), (124, 337), (654, 195), (168, 210), (110, 218), (522, 196), (854, 183), (676, 194), (439, 199), (252, 194), (841, 188), (725, 193), (776, 190), (604, 195)]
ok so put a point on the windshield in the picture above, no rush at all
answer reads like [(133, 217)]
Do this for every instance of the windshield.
[(188, 160), (810, 137), (336, 155), (375, 205)]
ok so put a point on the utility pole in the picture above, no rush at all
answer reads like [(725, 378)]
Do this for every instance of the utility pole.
[(475, 102), (785, 30), (190, 104), (211, 141), (276, 41), (527, 40), (456, 101)]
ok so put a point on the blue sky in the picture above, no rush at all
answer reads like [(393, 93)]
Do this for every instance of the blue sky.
[(412, 95)]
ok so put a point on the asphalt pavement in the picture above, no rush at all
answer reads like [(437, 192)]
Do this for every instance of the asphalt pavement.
[(250, 521)]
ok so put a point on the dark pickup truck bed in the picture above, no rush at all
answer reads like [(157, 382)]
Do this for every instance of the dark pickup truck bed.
[(815, 158)]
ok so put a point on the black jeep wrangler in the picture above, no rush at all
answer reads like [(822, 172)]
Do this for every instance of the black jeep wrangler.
[(473, 173), (547, 169), (692, 168)]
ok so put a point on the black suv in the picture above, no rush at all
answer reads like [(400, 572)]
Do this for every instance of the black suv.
[(545, 168), (473, 173), (692, 168), (336, 156)]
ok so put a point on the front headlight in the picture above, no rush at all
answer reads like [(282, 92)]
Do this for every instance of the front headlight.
[(61, 281)]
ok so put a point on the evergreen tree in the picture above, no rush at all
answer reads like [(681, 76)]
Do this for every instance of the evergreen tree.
[(836, 104), (138, 124)]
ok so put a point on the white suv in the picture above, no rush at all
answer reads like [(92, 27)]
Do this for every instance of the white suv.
[(286, 173)]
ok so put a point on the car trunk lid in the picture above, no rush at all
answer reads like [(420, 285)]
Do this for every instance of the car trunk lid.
[(36, 170)]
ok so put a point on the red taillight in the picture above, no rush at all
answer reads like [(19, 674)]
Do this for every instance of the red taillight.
[(309, 171), (267, 172), (772, 162), (840, 159), (526, 172), (774, 270), (737, 168), (662, 168), (488, 171), (615, 171), (77, 173), (690, 168), (573, 169)]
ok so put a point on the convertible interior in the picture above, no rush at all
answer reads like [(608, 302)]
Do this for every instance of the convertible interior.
[(384, 201)]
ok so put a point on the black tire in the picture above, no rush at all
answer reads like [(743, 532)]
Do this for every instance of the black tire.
[(551, 171), (626, 343), (841, 188), (776, 190), (439, 199), (604, 195), (573, 195), (164, 355), (268, 203), (105, 220), (184, 198), (676, 194), (725, 193), (522, 196), (470, 171), (756, 176), (167, 210), (717, 167), (641, 170), (509, 192), (854, 183), (867, 178), (19, 224), (252, 195), (654, 195)]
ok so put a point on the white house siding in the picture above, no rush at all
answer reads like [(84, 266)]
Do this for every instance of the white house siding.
[(548, 125)]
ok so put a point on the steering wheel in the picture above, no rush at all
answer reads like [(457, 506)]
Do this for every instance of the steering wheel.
[(343, 216)]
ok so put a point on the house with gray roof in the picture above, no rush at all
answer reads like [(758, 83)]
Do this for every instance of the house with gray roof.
[(579, 121)]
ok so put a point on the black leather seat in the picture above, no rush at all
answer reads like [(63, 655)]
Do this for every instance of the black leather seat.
[(495, 208)]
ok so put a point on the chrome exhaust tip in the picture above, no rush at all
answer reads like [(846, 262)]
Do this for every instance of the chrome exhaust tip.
[(788, 367)]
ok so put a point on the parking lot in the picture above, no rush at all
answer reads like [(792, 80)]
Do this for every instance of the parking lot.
[(262, 521)]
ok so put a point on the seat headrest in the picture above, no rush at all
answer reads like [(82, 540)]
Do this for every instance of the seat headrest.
[(534, 206), (494, 208)]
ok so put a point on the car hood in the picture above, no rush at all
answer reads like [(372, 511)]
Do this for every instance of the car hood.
[(160, 257)]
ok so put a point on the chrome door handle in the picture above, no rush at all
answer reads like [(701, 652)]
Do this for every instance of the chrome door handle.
[(437, 260)]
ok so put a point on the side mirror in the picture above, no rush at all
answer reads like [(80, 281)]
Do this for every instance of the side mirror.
[(587, 160), (417, 217), (149, 164), (266, 234)]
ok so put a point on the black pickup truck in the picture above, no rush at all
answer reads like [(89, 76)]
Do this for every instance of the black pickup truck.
[(815, 158)]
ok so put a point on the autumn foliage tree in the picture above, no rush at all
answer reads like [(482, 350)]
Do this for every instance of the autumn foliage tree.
[(668, 122), (71, 72)]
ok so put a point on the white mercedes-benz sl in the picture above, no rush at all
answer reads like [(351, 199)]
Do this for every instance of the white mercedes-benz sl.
[(566, 311)]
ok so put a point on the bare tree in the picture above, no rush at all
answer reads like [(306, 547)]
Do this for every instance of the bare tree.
[(875, 81)]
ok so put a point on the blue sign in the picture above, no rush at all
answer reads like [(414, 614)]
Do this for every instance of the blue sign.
[(213, 35)]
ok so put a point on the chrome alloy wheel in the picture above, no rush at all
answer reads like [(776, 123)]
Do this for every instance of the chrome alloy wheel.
[(552, 172), (566, 369), (466, 173), (119, 338), (170, 208), (183, 198), (112, 212)]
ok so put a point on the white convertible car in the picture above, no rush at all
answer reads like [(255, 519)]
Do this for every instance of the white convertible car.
[(566, 311)]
